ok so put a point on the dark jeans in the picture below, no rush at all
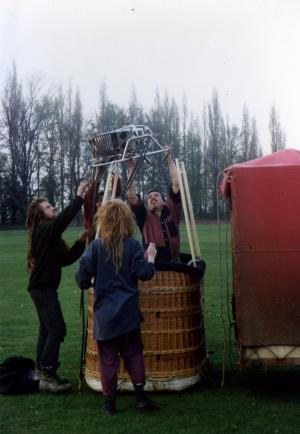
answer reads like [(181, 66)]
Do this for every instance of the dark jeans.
[(52, 328), (130, 347)]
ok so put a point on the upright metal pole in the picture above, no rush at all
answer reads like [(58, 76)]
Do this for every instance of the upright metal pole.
[(185, 211), (191, 212)]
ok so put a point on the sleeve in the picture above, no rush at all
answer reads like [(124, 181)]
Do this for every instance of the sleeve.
[(119, 188), (71, 254), (140, 214), (66, 216), (175, 205), (88, 205), (140, 267), (87, 267), (176, 197)]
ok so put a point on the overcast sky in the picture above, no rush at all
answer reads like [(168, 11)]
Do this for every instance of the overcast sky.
[(248, 50)]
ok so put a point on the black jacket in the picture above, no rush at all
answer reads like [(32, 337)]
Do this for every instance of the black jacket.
[(51, 252)]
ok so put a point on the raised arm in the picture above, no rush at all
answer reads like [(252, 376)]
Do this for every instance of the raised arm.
[(133, 199), (173, 173), (66, 216)]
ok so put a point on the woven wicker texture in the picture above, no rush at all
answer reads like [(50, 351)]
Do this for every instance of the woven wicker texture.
[(173, 330)]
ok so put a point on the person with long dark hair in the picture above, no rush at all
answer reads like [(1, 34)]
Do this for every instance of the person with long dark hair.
[(114, 262), (47, 253)]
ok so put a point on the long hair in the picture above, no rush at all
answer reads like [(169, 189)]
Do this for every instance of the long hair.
[(115, 222), (33, 218)]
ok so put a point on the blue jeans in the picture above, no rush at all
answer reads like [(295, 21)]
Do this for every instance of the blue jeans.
[(52, 328)]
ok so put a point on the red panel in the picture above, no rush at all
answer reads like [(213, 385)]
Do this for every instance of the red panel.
[(265, 202)]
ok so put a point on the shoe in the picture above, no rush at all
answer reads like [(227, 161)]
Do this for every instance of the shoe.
[(109, 406), (38, 373), (52, 383), (143, 402)]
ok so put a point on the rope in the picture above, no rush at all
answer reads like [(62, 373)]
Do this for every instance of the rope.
[(229, 301), (82, 304), (221, 283), (83, 341), (136, 169)]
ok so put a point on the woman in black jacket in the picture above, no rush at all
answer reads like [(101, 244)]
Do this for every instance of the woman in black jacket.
[(47, 254)]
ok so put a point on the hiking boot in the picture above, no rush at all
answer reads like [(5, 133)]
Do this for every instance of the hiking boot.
[(143, 402), (52, 383), (109, 406), (38, 373)]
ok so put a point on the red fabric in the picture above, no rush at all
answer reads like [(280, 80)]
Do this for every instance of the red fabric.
[(286, 157), (88, 205), (265, 200), (90, 200)]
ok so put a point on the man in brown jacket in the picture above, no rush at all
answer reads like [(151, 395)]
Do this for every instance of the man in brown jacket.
[(159, 222)]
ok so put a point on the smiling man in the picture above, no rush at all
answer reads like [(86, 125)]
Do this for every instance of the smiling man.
[(159, 222)]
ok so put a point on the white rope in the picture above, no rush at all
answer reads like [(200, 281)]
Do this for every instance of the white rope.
[(221, 283)]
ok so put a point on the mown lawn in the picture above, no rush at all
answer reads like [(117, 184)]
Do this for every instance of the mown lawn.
[(251, 401)]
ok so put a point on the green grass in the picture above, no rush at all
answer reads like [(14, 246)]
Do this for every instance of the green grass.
[(251, 401)]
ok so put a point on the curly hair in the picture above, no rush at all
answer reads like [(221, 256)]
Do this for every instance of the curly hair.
[(115, 222), (33, 218)]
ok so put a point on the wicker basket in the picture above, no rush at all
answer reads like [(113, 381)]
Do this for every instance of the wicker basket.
[(173, 334)]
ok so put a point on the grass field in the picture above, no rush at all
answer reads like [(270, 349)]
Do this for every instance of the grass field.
[(251, 401)]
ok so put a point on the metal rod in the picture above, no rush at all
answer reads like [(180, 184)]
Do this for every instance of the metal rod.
[(185, 211), (120, 160), (136, 169), (191, 212), (144, 136)]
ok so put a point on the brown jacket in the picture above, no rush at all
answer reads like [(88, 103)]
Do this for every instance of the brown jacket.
[(162, 231)]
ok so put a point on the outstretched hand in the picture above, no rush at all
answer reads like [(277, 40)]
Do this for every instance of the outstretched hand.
[(131, 163), (168, 156), (81, 188), (100, 173), (87, 235), (151, 252)]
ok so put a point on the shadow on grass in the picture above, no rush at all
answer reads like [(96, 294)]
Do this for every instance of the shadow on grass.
[(278, 383)]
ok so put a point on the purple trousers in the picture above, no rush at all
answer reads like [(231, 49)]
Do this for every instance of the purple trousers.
[(130, 347)]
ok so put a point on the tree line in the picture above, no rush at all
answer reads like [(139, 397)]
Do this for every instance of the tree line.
[(44, 148)]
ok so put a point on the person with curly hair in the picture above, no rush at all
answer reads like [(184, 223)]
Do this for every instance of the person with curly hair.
[(114, 262), (47, 253)]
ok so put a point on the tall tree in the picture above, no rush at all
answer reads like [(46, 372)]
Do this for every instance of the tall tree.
[(195, 163), (231, 144), (5, 197), (135, 112), (278, 138), (254, 144), (245, 135), (215, 151), (49, 185), (21, 123), (74, 133), (109, 116)]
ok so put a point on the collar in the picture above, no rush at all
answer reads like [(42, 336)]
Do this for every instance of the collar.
[(165, 212)]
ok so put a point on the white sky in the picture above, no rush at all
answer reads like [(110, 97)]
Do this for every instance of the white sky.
[(247, 49)]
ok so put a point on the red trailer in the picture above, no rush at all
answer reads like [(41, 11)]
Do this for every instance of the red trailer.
[(265, 219)]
